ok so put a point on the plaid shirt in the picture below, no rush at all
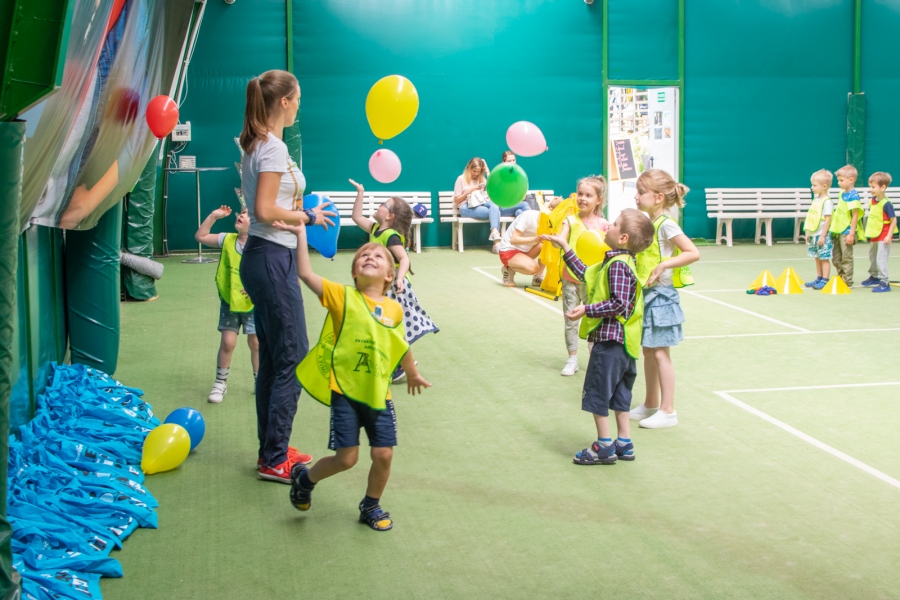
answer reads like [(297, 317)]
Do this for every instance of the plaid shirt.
[(622, 293)]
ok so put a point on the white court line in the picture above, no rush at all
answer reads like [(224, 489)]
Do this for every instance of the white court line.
[(749, 312), (531, 297), (735, 335), (752, 260), (813, 387), (808, 438)]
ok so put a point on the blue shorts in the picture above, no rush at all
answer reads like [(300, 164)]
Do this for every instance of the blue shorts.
[(232, 321), (609, 379), (348, 416)]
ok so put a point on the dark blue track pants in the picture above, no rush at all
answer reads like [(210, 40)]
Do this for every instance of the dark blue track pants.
[(269, 274)]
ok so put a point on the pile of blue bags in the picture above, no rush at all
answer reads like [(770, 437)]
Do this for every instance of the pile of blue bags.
[(75, 485)]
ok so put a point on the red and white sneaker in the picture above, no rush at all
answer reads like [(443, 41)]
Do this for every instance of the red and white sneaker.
[(295, 457), (280, 473)]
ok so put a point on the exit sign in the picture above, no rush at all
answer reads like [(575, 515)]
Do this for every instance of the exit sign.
[(661, 96)]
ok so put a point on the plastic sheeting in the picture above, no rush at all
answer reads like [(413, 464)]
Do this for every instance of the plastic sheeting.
[(12, 142), (75, 485), (118, 147), (92, 292), (138, 235), (61, 120)]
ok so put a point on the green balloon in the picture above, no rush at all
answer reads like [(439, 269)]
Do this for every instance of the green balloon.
[(507, 185)]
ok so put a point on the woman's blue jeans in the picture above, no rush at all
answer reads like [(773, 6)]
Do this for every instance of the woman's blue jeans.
[(491, 212)]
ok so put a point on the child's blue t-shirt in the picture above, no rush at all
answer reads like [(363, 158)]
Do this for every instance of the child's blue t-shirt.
[(851, 196)]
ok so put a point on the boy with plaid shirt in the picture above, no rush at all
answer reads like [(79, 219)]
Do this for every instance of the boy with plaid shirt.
[(612, 324)]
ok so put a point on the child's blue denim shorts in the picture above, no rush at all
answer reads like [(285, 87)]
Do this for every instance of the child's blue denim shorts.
[(232, 321)]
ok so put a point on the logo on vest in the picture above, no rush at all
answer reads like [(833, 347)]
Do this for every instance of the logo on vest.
[(362, 362)]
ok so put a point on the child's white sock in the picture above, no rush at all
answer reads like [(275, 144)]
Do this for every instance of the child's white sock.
[(222, 374)]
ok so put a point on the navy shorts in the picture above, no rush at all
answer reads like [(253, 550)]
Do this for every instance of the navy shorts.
[(348, 416), (609, 379)]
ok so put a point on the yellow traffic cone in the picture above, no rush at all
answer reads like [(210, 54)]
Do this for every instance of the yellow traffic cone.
[(789, 282), (765, 278), (836, 285)]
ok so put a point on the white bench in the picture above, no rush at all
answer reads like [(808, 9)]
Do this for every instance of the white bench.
[(344, 201), (766, 204), (449, 212)]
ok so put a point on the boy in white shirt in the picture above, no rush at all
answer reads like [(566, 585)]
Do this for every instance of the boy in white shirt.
[(519, 249)]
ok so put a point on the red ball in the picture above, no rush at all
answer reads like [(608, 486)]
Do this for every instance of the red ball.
[(162, 116)]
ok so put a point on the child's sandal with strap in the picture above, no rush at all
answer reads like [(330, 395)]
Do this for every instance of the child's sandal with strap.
[(376, 518)]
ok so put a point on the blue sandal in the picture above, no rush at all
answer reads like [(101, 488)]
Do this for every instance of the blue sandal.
[(300, 498), (376, 518), (596, 455)]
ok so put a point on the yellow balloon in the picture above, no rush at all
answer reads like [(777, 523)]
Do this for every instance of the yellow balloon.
[(165, 448), (591, 247), (391, 106)]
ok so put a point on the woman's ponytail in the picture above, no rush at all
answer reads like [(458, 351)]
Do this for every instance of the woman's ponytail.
[(263, 93)]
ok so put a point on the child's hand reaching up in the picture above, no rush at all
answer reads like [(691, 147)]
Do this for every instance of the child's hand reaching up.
[(576, 313), (221, 212), (415, 383), (359, 187), (557, 240)]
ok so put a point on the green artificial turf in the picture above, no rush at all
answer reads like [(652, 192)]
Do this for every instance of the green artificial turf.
[(485, 498)]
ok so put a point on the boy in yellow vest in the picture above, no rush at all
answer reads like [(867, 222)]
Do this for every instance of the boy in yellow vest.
[(613, 322), (818, 221), (236, 309), (846, 223), (881, 226), (362, 342)]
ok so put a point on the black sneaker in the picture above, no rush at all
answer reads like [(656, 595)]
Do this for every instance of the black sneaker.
[(300, 498)]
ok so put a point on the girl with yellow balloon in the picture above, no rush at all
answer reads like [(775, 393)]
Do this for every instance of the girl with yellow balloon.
[(391, 106), (584, 232)]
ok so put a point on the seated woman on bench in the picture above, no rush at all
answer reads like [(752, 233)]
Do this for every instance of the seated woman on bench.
[(473, 181)]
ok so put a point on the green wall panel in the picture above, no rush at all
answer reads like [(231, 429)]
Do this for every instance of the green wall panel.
[(236, 42), (881, 84), (643, 39), (765, 97)]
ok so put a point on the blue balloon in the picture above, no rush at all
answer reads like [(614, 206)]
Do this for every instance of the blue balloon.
[(323, 240), (191, 420)]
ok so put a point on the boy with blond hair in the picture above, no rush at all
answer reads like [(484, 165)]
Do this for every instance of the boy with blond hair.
[(880, 228), (613, 323), (818, 220), (846, 223)]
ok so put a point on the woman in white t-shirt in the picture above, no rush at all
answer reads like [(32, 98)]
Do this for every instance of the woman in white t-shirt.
[(273, 188), (519, 249)]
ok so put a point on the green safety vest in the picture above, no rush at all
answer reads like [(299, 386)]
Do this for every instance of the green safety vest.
[(363, 357), (650, 258), (596, 278), (841, 217), (876, 221), (814, 215), (228, 277), (383, 238)]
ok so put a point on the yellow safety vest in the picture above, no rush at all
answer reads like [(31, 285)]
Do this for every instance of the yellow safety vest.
[(814, 215), (596, 278), (876, 221), (841, 217), (362, 358), (228, 277), (650, 258), (383, 238)]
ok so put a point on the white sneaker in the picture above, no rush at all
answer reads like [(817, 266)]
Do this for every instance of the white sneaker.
[(537, 280), (496, 248), (218, 392), (509, 278), (494, 236), (660, 420), (571, 367), (641, 412)]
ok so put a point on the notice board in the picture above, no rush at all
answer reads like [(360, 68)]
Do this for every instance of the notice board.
[(623, 159)]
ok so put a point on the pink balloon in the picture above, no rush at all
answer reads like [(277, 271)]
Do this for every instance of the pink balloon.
[(384, 166), (525, 139)]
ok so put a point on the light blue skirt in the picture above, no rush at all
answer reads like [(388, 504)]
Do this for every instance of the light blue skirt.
[(662, 318)]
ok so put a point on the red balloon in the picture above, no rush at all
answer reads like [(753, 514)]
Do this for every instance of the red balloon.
[(162, 116)]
